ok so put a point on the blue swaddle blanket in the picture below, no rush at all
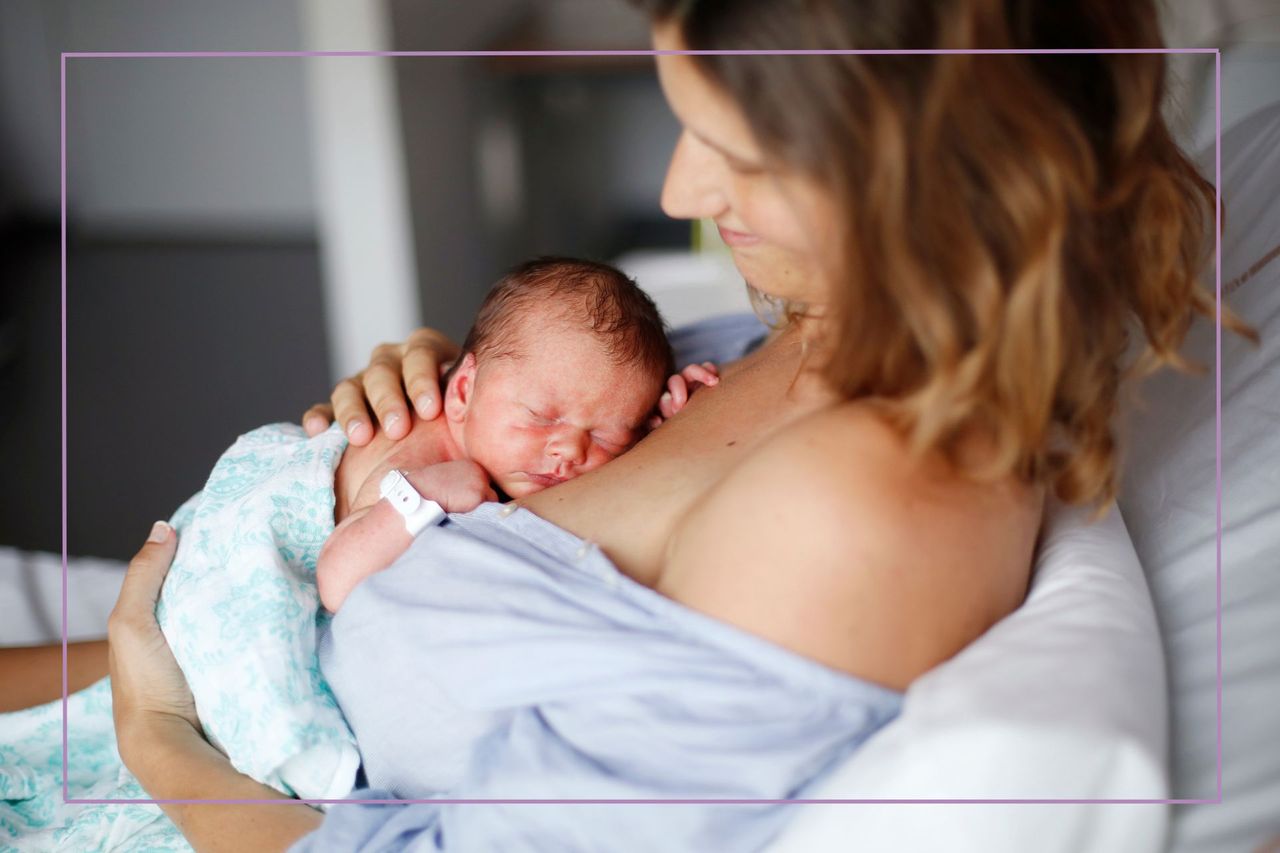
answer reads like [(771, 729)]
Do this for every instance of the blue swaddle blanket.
[(501, 657)]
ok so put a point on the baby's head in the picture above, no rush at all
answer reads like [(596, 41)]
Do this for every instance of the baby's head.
[(562, 368)]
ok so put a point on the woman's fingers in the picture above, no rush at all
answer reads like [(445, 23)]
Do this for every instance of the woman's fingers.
[(384, 389), (316, 419), (421, 369), (394, 370), (146, 683), (350, 411), (145, 576), (430, 339), (426, 355)]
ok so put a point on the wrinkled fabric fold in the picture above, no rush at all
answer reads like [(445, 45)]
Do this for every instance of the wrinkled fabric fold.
[(504, 658)]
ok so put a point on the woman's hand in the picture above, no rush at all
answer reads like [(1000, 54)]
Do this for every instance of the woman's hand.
[(158, 734), (396, 373), (149, 693)]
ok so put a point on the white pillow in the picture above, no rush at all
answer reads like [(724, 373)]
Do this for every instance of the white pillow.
[(1169, 500), (1064, 698)]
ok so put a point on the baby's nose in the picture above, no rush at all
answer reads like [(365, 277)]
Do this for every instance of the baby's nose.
[(569, 448)]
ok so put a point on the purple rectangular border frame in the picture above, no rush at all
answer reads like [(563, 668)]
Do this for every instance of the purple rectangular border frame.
[(1217, 85)]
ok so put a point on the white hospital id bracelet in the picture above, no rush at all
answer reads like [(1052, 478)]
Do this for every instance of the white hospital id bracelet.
[(418, 512)]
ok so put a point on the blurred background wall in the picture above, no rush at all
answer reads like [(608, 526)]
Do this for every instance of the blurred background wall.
[(241, 232)]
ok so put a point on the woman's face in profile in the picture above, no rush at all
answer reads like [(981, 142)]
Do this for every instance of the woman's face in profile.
[(772, 221)]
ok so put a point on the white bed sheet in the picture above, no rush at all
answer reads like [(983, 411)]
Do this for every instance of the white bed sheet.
[(31, 596)]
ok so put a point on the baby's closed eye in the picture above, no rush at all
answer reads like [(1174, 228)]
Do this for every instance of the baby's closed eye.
[(612, 443)]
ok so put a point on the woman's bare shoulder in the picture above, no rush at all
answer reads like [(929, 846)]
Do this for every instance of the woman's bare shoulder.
[(832, 542)]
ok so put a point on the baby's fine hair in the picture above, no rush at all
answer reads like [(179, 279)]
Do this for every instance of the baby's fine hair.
[(598, 295)]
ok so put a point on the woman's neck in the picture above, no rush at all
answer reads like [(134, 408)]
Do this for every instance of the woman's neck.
[(796, 346)]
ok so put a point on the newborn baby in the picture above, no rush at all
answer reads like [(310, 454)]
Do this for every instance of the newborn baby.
[(559, 375)]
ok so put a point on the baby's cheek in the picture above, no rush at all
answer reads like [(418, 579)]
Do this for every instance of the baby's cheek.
[(595, 458), (508, 451)]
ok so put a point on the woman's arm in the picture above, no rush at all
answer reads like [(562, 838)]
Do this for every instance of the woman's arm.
[(32, 675), (158, 733), (394, 370), (178, 764)]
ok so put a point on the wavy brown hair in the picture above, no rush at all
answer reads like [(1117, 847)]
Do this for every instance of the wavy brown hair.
[(1010, 219)]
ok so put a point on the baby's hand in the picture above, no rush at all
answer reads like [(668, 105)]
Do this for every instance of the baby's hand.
[(458, 486), (681, 387)]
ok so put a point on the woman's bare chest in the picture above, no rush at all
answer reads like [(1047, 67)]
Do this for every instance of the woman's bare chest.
[(634, 506)]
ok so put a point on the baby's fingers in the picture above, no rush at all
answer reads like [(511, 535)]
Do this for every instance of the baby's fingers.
[(705, 373), (679, 392), (665, 409)]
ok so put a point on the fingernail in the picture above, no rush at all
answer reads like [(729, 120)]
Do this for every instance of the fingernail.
[(315, 423), (666, 395), (423, 404), (352, 426), (392, 419), (159, 532)]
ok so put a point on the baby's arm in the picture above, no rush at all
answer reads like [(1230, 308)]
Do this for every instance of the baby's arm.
[(371, 537)]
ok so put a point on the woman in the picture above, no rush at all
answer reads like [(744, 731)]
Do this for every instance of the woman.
[(960, 246)]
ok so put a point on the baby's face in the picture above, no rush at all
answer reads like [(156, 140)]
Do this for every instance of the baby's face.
[(559, 409)]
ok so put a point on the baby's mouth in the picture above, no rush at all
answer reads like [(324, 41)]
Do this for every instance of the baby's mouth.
[(545, 479)]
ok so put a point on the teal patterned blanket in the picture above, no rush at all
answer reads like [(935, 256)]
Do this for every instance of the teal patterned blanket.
[(241, 613)]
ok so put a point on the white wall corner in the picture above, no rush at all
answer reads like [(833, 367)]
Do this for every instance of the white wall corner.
[(363, 218)]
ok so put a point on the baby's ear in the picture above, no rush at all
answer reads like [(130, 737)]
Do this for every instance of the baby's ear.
[(457, 394)]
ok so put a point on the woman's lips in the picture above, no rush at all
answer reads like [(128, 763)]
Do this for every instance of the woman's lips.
[(737, 238)]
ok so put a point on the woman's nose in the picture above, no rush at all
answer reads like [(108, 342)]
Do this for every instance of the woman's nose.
[(693, 188)]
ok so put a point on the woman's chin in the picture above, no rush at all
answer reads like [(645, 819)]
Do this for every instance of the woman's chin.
[(775, 275)]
